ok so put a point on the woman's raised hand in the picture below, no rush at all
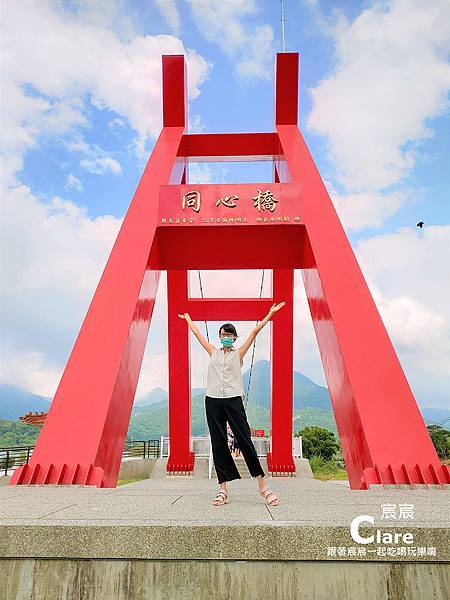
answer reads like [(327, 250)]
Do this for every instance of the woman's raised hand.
[(184, 316), (276, 307)]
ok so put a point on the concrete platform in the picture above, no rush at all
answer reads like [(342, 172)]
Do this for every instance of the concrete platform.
[(173, 518), (161, 539)]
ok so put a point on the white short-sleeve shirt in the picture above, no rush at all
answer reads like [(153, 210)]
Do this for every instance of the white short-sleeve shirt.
[(224, 379)]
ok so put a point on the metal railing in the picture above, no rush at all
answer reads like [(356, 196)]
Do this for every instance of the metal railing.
[(201, 446), (15, 456), (141, 449)]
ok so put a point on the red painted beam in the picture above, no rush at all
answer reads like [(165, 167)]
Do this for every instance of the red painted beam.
[(210, 147), (181, 247), (286, 88), (241, 309), (174, 86)]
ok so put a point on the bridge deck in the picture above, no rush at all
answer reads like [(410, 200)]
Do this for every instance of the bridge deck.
[(173, 519)]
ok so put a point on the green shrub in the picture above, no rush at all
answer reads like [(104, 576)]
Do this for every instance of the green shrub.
[(441, 440), (322, 466), (317, 441), (326, 469)]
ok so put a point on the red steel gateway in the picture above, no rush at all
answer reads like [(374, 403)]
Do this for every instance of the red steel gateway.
[(283, 225)]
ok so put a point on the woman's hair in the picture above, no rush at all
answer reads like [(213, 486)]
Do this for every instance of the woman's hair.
[(228, 328)]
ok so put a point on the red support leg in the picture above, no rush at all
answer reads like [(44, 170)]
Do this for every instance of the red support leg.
[(82, 439), (279, 460), (181, 459), (384, 438), (382, 432)]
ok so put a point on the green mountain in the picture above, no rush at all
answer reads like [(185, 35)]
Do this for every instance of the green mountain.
[(312, 406), (153, 397), (306, 393), (15, 402), (16, 433), (149, 418), (152, 421)]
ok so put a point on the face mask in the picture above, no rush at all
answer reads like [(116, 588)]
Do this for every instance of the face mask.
[(227, 341)]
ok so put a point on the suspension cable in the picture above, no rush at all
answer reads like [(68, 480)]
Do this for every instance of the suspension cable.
[(203, 358), (254, 344), (201, 293)]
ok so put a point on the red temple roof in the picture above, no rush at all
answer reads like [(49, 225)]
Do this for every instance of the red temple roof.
[(34, 418)]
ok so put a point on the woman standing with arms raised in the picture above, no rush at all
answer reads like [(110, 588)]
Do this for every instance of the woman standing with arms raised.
[(224, 403)]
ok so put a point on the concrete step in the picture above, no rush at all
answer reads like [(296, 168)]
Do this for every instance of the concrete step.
[(201, 468), (303, 469)]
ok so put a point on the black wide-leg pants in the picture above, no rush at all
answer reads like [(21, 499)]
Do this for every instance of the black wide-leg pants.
[(218, 412)]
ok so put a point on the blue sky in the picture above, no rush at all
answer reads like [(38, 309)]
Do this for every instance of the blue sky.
[(82, 111)]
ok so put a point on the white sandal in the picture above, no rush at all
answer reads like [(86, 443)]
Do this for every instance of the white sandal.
[(266, 493), (221, 498)]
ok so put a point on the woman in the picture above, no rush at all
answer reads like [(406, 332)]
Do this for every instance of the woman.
[(223, 402)]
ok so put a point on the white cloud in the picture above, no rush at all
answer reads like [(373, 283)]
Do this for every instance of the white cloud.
[(249, 45), (116, 123), (207, 172), (30, 371), (97, 161), (59, 61), (73, 183), (69, 63), (169, 11), (365, 209), (407, 272), (52, 257), (199, 173), (414, 325), (410, 262), (392, 76), (99, 166)]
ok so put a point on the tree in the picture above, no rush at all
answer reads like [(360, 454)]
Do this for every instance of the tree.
[(318, 441), (441, 440)]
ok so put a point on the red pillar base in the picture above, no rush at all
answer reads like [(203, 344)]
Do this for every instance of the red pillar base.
[(175, 467), (411, 475), (39, 474), (287, 469)]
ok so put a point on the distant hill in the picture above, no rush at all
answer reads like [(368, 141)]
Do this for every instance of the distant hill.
[(16, 433), (312, 406), (15, 402), (307, 394), (149, 418), (156, 395), (436, 416), (152, 421)]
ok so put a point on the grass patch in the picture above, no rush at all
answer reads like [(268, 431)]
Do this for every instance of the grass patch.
[(127, 481), (327, 469), (341, 474)]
